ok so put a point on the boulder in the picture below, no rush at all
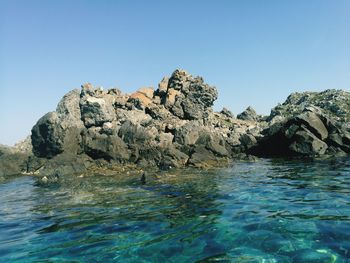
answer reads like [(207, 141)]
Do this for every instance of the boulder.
[(306, 143), (188, 134), (59, 131), (48, 136), (248, 115), (248, 140), (108, 147), (313, 123), (333, 103), (173, 158), (188, 97), (96, 111), (303, 135), (227, 113)]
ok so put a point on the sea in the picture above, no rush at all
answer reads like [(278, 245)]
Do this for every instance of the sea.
[(270, 210)]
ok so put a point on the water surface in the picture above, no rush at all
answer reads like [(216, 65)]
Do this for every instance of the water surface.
[(266, 211)]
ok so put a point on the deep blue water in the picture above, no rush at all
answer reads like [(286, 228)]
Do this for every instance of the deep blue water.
[(266, 211)]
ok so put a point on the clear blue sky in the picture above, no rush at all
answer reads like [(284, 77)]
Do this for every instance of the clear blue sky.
[(254, 52)]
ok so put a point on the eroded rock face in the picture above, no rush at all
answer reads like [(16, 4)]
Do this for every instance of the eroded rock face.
[(175, 126), (172, 126), (59, 131), (248, 115), (48, 136), (310, 133), (333, 103), (188, 97)]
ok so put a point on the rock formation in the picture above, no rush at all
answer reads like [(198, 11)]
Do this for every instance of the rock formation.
[(172, 126), (175, 126), (310, 133)]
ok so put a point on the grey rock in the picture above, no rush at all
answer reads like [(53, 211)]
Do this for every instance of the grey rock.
[(333, 103), (188, 134), (59, 131), (227, 113), (303, 135), (306, 143), (173, 158), (188, 97), (48, 136), (96, 111), (214, 143), (176, 126), (136, 134), (314, 124), (23, 146), (248, 140), (248, 115), (109, 147), (13, 163)]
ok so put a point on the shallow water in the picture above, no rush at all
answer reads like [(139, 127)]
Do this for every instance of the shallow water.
[(267, 211)]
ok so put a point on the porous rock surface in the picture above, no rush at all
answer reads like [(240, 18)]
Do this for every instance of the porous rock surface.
[(175, 126), (172, 126)]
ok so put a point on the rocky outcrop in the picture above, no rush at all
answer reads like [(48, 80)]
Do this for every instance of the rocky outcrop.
[(175, 126), (187, 97), (333, 103), (59, 131), (310, 133), (172, 126)]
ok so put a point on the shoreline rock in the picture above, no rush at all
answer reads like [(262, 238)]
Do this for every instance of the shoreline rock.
[(175, 126)]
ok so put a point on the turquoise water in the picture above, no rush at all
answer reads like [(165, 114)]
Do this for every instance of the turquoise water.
[(267, 211)]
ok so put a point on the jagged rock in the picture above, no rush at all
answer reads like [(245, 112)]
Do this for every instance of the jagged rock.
[(175, 126), (305, 134), (188, 134), (248, 115), (188, 97), (136, 134), (96, 111), (213, 142), (24, 146), (157, 112), (134, 116), (306, 143), (313, 123), (340, 140), (333, 103), (165, 139), (144, 95), (48, 136), (59, 131), (97, 145), (173, 158), (227, 112), (162, 87), (13, 163), (69, 105), (248, 140)]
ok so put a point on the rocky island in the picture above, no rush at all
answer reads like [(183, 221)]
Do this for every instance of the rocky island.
[(175, 126)]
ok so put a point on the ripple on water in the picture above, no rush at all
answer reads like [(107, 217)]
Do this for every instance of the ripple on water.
[(267, 211)]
